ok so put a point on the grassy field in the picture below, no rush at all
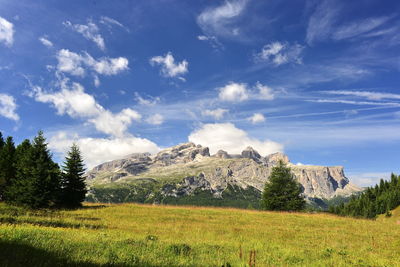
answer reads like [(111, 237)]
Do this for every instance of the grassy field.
[(144, 235)]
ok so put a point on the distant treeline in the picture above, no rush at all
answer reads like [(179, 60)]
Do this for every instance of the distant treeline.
[(29, 177), (374, 201)]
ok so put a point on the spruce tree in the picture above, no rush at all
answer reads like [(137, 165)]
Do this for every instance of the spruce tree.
[(73, 187), (7, 165), (20, 190), (45, 175), (282, 191)]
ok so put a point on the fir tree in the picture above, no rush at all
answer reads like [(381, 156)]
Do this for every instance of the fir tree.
[(282, 191), (7, 165), (73, 187)]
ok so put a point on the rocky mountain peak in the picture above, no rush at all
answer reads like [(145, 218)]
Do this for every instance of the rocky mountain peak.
[(250, 153), (181, 153), (222, 154), (274, 158)]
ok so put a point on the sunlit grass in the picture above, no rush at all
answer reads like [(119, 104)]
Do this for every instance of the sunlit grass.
[(146, 235)]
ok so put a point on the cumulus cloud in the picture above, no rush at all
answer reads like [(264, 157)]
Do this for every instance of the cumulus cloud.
[(149, 101), (156, 119), (279, 53), (45, 41), (234, 92), (215, 113), (365, 94), (220, 20), (231, 139), (239, 92), (6, 32), (90, 31), (264, 92), (168, 66), (75, 102), (75, 64), (8, 107), (98, 150), (257, 118)]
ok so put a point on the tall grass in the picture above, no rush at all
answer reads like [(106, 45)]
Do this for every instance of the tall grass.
[(145, 235)]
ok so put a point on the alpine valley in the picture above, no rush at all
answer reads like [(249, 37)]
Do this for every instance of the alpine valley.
[(187, 174)]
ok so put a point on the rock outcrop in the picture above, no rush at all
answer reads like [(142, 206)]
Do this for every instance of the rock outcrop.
[(185, 168)]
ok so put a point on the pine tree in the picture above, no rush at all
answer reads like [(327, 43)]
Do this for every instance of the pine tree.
[(282, 191), (7, 165), (73, 187)]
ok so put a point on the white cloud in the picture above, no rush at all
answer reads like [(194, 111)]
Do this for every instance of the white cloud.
[(150, 101), (45, 41), (264, 92), (70, 62), (257, 118), (6, 32), (366, 94), (156, 119), (352, 102), (75, 64), (73, 101), (359, 27), (219, 21), (110, 21), (368, 178), (8, 107), (168, 66), (115, 124), (231, 139), (90, 31), (234, 92), (321, 21), (280, 53), (239, 92), (99, 150), (215, 113), (212, 40)]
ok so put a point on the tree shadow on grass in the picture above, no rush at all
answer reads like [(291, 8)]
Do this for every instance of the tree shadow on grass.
[(14, 254)]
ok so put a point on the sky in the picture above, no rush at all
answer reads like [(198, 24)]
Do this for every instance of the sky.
[(317, 80)]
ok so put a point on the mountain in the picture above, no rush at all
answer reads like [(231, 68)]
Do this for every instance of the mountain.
[(188, 174)]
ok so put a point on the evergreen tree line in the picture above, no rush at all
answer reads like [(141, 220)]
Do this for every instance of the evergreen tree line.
[(29, 177), (374, 201)]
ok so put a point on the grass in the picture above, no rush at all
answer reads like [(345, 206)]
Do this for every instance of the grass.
[(146, 235)]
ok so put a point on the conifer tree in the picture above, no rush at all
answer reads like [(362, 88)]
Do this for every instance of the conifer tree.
[(7, 165), (21, 189), (45, 174), (282, 191), (73, 187)]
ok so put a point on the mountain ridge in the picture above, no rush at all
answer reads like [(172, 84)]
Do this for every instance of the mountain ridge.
[(187, 169)]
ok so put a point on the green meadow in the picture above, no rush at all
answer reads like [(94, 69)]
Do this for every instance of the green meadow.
[(147, 235)]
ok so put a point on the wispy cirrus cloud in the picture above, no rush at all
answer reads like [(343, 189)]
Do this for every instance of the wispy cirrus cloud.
[(325, 23), (220, 20), (365, 94), (352, 102), (89, 31), (45, 41)]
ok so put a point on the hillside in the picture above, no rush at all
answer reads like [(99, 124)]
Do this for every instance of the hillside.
[(145, 235), (188, 174)]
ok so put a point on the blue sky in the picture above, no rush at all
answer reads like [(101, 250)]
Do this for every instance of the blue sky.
[(318, 80)]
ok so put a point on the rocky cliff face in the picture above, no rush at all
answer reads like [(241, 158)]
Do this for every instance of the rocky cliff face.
[(184, 169)]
